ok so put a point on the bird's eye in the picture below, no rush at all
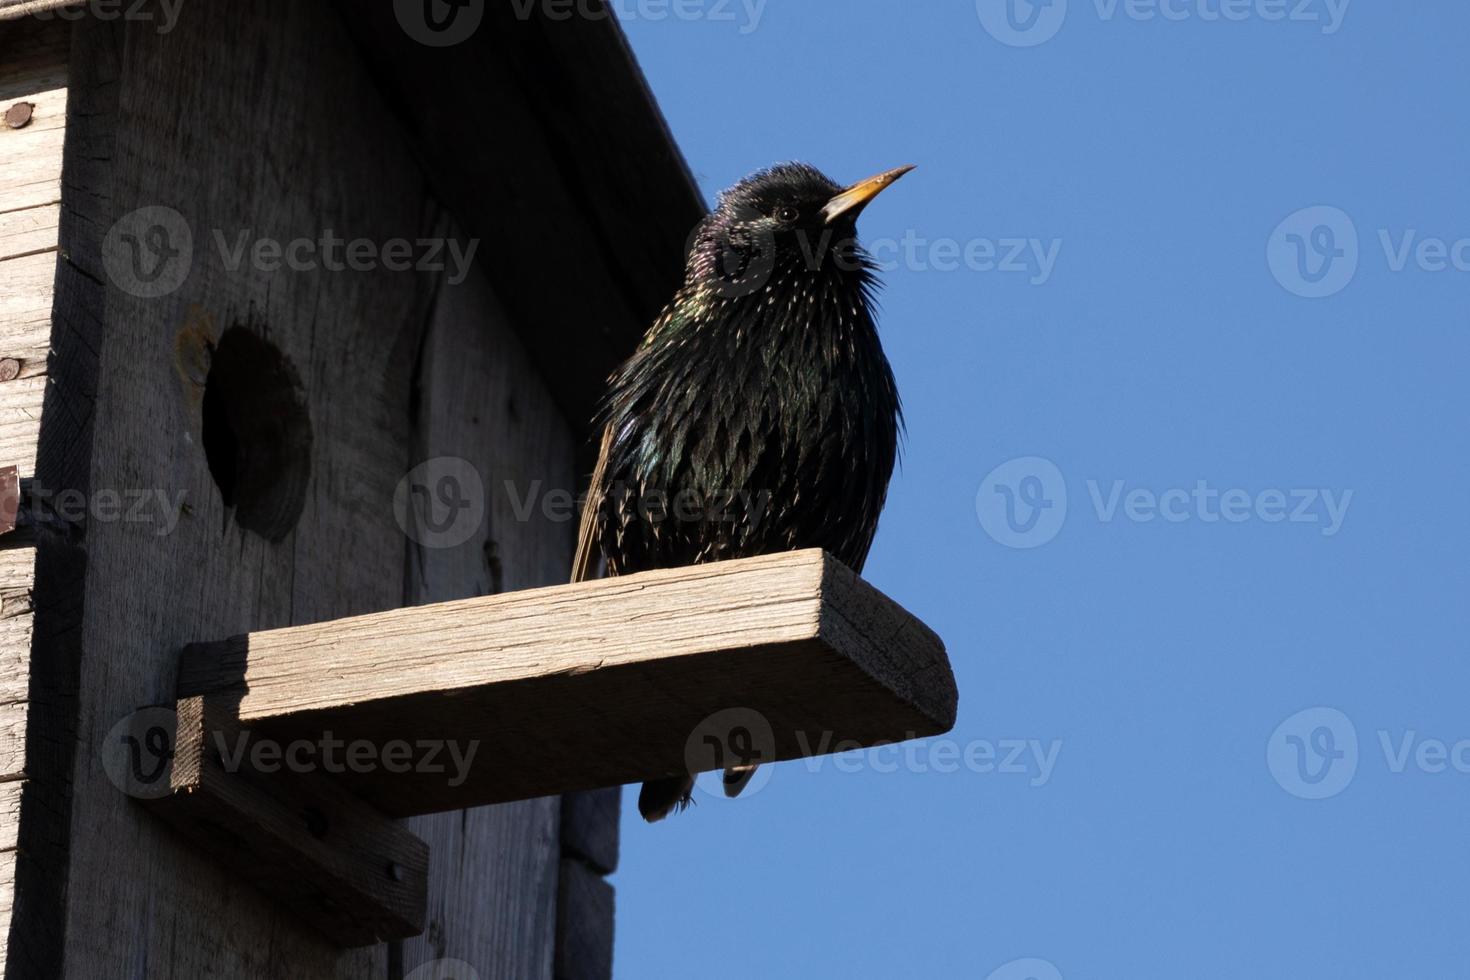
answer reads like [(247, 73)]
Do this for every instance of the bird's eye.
[(787, 214)]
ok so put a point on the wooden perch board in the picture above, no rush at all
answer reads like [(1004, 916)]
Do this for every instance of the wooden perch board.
[(593, 684)]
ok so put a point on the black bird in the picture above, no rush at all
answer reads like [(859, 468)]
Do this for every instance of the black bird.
[(759, 414)]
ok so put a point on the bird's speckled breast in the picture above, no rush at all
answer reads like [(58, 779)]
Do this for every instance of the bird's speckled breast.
[(764, 422)]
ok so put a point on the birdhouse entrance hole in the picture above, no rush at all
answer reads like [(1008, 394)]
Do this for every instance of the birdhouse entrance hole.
[(257, 433)]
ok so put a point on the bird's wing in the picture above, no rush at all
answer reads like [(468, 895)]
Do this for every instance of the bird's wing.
[(584, 565)]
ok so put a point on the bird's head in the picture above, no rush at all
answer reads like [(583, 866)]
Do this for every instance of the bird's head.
[(784, 219)]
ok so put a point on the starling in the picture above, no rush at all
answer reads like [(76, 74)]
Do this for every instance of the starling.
[(759, 414)]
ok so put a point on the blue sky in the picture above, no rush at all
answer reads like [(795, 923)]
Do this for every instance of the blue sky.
[(1237, 627)]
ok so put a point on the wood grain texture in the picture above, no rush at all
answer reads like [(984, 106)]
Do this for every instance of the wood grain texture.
[(597, 683), (493, 870), (594, 173), (26, 8), (585, 918), (335, 862), (34, 70), (589, 827), (286, 139)]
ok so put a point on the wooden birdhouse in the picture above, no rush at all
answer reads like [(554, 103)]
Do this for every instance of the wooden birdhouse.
[(304, 310)]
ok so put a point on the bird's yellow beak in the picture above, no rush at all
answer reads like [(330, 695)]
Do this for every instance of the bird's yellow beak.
[(853, 199)]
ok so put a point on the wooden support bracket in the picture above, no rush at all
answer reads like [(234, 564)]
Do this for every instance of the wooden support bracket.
[(357, 876), (520, 695)]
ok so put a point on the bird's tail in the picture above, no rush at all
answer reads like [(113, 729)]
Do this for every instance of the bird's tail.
[(661, 797)]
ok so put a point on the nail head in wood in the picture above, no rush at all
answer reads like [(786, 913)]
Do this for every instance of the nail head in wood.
[(19, 115)]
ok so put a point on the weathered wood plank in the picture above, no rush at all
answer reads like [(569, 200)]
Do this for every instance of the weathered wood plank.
[(589, 827), (493, 870), (29, 230), (286, 140), (25, 319), (25, 8), (34, 71), (9, 814), (30, 156), (584, 935), (13, 737), (339, 865), (624, 670)]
